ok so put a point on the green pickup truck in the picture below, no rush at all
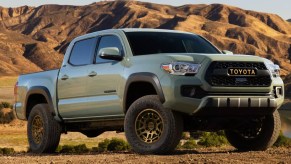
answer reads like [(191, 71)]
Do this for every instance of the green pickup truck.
[(153, 85)]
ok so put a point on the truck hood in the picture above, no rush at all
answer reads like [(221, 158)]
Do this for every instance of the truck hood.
[(199, 58)]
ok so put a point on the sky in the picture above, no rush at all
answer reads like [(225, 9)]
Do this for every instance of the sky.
[(280, 7)]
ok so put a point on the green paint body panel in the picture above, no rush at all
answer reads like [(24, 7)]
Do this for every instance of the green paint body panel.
[(102, 96)]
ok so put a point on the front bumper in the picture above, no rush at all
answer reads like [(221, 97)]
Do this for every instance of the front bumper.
[(241, 102), (236, 106), (225, 105), (212, 100)]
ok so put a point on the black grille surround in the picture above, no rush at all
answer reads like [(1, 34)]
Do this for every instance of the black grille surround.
[(217, 75)]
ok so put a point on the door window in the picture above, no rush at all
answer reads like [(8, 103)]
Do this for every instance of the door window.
[(108, 41), (83, 52)]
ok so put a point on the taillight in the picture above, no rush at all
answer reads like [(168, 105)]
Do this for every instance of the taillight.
[(15, 91)]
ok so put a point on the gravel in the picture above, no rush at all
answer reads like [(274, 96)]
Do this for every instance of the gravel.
[(203, 155)]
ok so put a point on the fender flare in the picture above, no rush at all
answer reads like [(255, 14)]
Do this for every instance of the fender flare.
[(42, 91), (144, 77)]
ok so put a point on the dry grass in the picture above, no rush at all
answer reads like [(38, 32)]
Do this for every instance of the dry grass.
[(8, 81), (6, 94), (7, 88)]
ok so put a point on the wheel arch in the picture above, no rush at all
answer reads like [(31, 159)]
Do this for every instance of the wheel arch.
[(37, 95), (146, 78)]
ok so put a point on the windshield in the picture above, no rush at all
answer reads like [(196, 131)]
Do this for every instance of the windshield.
[(143, 43)]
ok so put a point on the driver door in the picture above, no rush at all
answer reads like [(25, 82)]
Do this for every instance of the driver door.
[(104, 88)]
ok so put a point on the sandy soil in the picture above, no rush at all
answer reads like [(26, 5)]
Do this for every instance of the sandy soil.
[(14, 135), (213, 155)]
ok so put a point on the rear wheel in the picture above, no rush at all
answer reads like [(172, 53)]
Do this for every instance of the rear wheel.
[(257, 135), (150, 128), (43, 131)]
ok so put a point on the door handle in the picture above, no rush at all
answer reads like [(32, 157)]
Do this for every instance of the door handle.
[(92, 74), (64, 77)]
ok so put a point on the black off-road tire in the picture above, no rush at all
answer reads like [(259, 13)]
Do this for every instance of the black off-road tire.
[(270, 130), (51, 130), (172, 124)]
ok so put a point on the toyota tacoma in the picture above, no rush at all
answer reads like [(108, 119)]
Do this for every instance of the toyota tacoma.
[(153, 85)]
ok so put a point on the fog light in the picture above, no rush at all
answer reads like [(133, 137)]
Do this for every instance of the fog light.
[(278, 92), (188, 91)]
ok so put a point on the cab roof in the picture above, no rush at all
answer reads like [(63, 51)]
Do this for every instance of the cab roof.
[(129, 30)]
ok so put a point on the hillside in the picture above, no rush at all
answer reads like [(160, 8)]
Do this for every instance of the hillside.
[(34, 39), (289, 20)]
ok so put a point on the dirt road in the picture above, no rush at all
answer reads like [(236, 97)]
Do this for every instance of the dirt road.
[(213, 155)]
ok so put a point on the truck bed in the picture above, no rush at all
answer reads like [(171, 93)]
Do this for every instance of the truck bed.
[(30, 83)]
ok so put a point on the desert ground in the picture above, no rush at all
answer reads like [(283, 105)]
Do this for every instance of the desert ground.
[(213, 155), (14, 135)]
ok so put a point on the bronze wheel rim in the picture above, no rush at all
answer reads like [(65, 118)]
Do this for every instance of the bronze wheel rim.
[(149, 126), (37, 129)]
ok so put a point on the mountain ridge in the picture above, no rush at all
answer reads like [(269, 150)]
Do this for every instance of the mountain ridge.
[(38, 36)]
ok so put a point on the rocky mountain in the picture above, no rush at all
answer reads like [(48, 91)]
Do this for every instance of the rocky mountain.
[(34, 39)]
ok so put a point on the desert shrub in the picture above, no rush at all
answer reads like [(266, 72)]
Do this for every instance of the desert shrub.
[(190, 144), (67, 149), (114, 144), (6, 105), (102, 146), (81, 148), (283, 141), (59, 148), (117, 144), (196, 135), (7, 151), (185, 136), (95, 149), (6, 116), (213, 139), (179, 146)]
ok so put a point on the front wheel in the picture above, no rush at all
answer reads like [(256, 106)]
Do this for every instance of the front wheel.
[(257, 135), (150, 128), (43, 131)]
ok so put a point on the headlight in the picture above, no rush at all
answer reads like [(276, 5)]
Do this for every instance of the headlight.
[(181, 68), (274, 69)]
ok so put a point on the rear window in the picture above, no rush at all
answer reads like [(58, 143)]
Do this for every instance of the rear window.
[(143, 43), (83, 52)]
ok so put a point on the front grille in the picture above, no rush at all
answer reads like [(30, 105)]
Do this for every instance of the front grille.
[(217, 75), (225, 65)]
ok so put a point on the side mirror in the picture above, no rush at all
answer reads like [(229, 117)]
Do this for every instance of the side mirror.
[(227, 52), (111, 53)]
